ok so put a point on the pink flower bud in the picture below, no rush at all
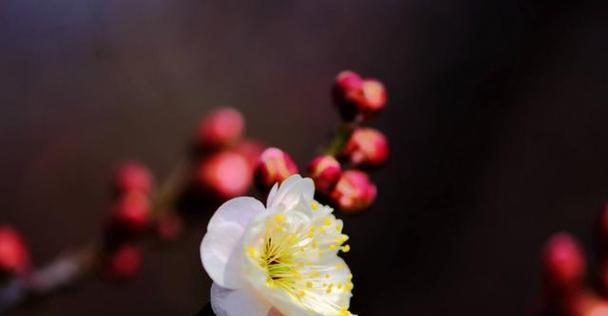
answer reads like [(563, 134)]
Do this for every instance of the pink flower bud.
[(132, 177), (251, 150), (354, 191), (274, 166), (349, 82), (373, 97), (357, 97), (221, 128), (367, 147), (325, 171), (124, 262), (563, 263), (226, 174), (131, 214), (14, 256)]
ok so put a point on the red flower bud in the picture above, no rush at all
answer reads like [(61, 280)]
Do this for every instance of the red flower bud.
[(14, 256), (124, 262), (354, 191), (563, 264), (131, 214), (325, 171), (357, 97), (367, 147), (251, 150), (132, 177), (274, 166), (226, 174), (221, 128), (373, 97)]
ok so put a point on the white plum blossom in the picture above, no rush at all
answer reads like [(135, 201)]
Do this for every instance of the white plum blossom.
[(281, 259)]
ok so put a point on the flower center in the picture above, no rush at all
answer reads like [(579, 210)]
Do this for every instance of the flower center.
[(290, 253)]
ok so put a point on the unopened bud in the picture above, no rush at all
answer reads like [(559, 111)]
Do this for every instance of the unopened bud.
[(563, 263), (367, 147), (274, 166), (226, 174), (354, 191), (325, 171), (357, 97), (131, 214), (14, 256), (132, 177), (221, 128)]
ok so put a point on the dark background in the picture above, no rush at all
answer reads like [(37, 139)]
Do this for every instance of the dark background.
[(497, 119)]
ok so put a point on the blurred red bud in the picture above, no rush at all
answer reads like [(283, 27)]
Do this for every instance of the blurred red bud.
[(226, 174), (131, 214), (273, 167), (132, 176), (563, 263), (354, 191), (325, 171), (597, 308), (251, 150), (366, 147), (348, 84), (583, 303), (222, 127), (124, 262), (14, 256), (169, 227), (357, 97)]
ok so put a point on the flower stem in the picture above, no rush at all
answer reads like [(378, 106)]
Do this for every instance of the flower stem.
[(340, 138)]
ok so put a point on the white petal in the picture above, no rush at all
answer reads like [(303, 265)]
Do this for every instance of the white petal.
[(220, 255), (241, 302), (286, 184), (240, 210), (291, 192), (221, 248), (272, 193)]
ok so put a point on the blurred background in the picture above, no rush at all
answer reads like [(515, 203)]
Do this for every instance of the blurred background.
[(497, 119)]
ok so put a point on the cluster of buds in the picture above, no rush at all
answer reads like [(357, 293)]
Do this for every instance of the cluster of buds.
[(358, 98), (564, 269), (224, 165), (341, 172), (129, 218), (225, 160)]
